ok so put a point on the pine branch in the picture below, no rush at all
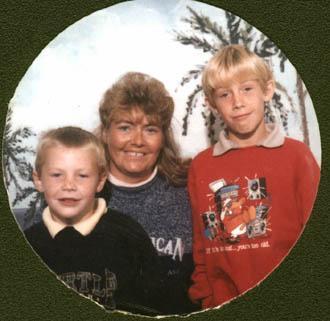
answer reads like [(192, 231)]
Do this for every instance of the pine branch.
[(191, 103), (203, 24), (265, 48), (195, 41), (192, 74), (31, 213), (233, 23)]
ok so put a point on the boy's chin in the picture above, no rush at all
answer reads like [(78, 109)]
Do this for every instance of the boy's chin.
[(243, 135)]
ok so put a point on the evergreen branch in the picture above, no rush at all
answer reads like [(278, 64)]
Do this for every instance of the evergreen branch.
[(195, 41), (31, 213), (233, 23), (203, 24), (283, 59), (280, 87), (192, 74), (265, 48), (189, 109)]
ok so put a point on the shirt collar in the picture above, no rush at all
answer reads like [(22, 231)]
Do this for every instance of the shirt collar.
[(84, 227), (275, 138)]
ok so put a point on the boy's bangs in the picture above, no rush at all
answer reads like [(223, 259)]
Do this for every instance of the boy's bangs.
[(242, 72)]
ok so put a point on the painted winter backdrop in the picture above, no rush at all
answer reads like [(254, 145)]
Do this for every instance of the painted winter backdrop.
[(170, 40)]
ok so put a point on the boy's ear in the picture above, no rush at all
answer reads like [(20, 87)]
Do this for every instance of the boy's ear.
[(210, 106), (270, 89), (102, 180), (207, 102), (37, 181)]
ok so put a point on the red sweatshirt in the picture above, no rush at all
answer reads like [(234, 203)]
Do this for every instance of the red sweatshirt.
[(249, 208)]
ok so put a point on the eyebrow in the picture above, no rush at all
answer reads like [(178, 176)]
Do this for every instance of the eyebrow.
[(249, 80), (131, 122), (118, 121), (225, 87)]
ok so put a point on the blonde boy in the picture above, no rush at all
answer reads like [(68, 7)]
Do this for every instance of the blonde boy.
[(100, 253), (253, 191)]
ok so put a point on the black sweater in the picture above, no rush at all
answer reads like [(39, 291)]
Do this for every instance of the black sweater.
[(164, 212), (115, 265)]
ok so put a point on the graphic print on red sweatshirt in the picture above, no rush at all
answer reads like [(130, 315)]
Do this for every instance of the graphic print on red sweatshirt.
[(238, 210)]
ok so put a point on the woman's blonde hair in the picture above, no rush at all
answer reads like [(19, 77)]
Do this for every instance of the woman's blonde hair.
[(137, 90), (234, 62), (72, 137)]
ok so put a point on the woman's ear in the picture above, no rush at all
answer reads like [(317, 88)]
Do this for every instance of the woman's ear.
[(104, 135), (37, 181), (269, 90)]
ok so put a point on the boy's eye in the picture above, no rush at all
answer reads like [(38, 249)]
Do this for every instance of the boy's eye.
[(55, 174), (247, 88), (83, 175), (223, 95)]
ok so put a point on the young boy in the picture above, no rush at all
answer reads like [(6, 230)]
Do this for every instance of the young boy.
[(102, 254), (253, 191)]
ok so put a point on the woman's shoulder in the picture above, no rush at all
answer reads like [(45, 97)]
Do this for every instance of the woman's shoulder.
[(165, 187)]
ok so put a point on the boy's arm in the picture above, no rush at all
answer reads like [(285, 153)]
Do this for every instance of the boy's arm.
[(200, 290), (308, 177), (150, 279)]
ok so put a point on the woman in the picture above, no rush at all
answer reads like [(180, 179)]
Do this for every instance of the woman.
[(147, 178)]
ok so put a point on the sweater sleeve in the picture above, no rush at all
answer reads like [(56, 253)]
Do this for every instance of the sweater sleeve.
[(308, 176), (200, 290), (149, 281)]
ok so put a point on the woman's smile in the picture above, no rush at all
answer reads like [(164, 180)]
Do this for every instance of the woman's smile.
[(134, 154)]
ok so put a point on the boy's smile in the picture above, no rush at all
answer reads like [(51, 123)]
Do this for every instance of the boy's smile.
[(241, 106), (69, 179), (69, 201)]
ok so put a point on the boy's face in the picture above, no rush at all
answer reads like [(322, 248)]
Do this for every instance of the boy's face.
[(241, 106), (69, 180)]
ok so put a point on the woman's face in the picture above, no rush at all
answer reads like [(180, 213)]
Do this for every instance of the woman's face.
[(134, 144)]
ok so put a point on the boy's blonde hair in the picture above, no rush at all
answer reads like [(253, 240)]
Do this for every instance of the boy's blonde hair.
[(72, 137), (234, 62)]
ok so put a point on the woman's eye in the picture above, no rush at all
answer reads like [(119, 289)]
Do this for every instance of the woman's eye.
[(152, 129), (124, 128)]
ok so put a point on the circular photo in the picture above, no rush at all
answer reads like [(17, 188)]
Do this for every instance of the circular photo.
[(161, 158)]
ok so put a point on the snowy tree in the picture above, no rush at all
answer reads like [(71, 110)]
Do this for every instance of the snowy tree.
[(18, 169), (209, 36)]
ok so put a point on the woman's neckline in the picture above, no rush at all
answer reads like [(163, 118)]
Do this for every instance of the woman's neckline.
[(115, 181)]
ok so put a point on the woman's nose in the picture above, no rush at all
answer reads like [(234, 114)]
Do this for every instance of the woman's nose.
[(137, 138)]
